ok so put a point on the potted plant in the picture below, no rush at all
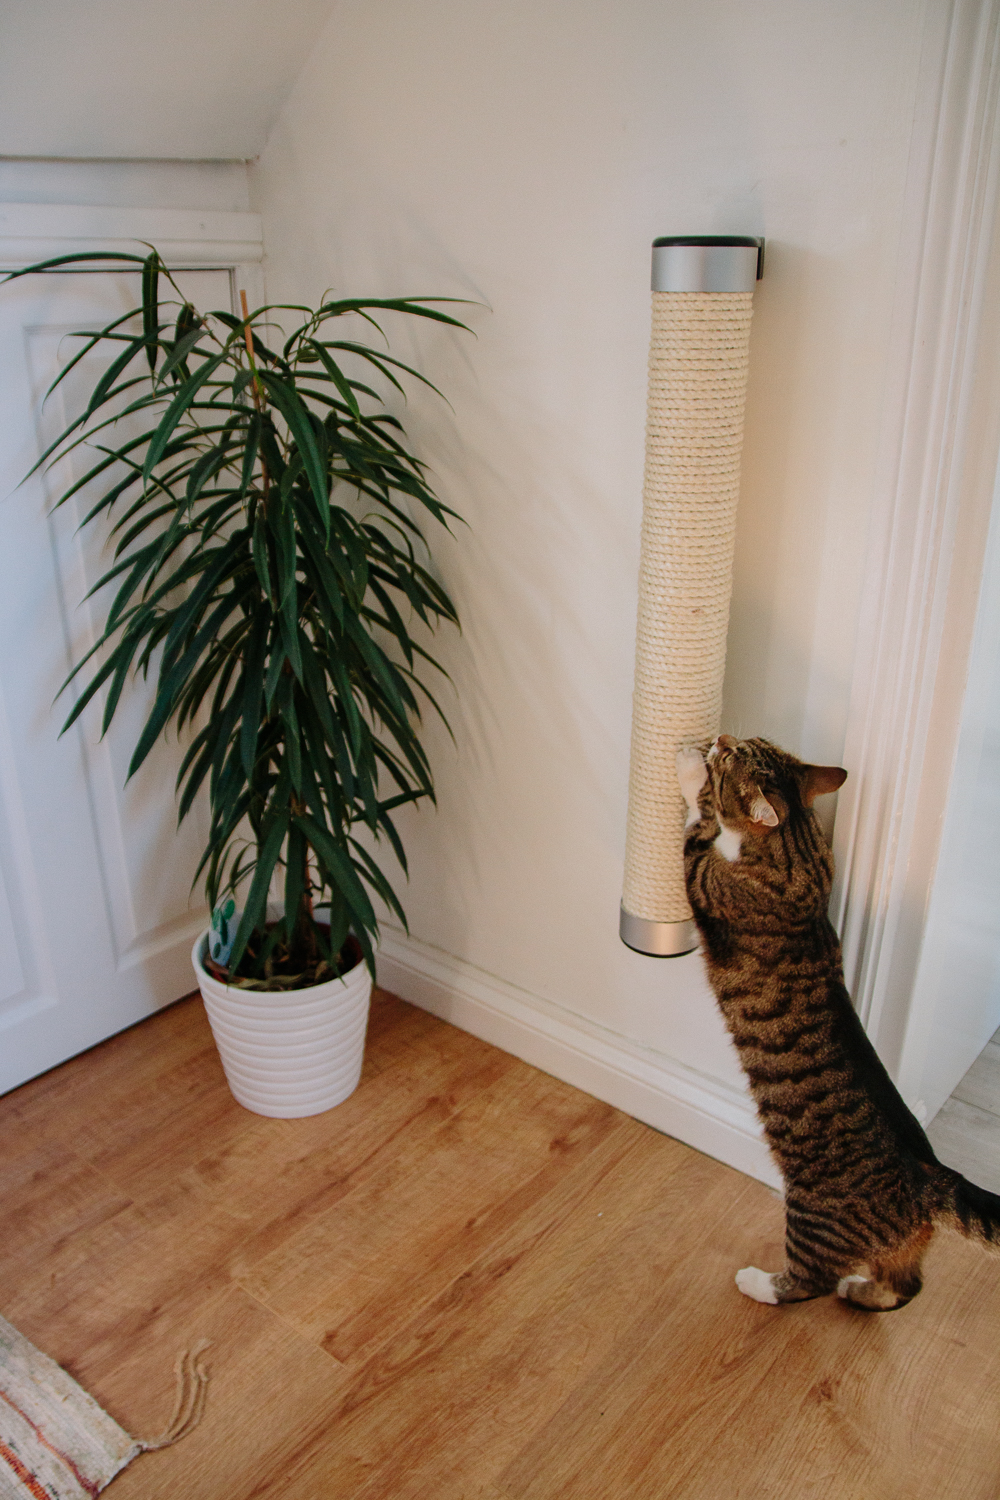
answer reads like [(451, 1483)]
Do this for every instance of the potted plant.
[(267, 567)]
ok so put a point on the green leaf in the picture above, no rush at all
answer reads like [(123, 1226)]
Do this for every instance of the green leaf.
[(337, 375), (253, 691), (261, 557), (75, 259), (377, 880), (171, 681), (275, 668), (182, 347), (104, 387), (175, 411), (255, 908), (295, 885), (296, 414), (250, 450), (340, 867), (151, 307)]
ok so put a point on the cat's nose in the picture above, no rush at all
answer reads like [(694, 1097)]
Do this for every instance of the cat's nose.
[(725, 742)]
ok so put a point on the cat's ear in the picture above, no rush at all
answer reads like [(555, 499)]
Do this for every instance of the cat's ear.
[(816, 781), (761, 811)]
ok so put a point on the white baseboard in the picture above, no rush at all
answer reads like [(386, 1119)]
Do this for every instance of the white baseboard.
[(701, 1111)]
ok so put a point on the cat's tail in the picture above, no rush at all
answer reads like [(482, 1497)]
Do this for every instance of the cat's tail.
[(972, 1210)]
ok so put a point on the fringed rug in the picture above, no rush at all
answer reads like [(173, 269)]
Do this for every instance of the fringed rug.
[(55, 1441)]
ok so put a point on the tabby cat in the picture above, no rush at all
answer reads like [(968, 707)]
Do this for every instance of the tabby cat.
[(863, 1188)]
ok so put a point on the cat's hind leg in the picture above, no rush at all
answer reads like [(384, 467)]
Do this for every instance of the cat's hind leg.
[(894, 1278), (817, 1258)]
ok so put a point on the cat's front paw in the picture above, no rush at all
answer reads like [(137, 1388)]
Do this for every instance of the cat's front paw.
[(692, 773), (756, 1284)]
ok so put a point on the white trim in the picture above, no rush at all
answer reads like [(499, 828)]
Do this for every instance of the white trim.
[(654, 1088), (932, 511), (186, 237)]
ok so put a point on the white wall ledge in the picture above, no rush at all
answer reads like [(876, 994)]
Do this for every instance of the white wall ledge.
[(36, 231)]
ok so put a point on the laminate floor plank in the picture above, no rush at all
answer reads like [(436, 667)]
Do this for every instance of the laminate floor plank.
[(266, 1384), (965, 1132), (395, 1030), (728, 1398), (309, 1164), (981, 1084), (348, 1274), (450, 1400), (50, 1193), (85, 1087), (968, 1138), (581, 1158), (467, 1282), (136, 1275), (189, 1120)]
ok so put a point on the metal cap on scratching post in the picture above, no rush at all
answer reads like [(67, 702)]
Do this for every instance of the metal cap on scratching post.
[(698, 363)]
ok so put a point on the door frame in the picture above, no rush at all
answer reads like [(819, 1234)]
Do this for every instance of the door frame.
[(936, 478)]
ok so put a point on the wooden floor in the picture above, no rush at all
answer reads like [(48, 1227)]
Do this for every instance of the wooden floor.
[(468, 1282), (965, 1132)]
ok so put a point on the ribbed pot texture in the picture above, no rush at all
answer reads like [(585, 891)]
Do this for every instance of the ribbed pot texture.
[(289, 1053)]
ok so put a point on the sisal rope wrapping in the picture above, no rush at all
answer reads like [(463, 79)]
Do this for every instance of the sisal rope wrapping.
[(698, 363)]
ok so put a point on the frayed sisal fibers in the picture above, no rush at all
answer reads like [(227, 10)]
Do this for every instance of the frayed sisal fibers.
[(56, 1443), (698, 366)]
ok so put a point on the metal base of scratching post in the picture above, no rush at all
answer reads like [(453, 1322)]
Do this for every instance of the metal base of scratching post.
[(657, 939)]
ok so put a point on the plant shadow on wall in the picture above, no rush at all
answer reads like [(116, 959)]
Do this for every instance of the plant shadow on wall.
[(268, 568)]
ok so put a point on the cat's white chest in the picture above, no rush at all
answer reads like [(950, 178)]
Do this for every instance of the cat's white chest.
[(729, 842)]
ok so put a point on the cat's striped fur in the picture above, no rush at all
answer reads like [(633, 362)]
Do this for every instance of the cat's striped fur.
[(863, 1188)]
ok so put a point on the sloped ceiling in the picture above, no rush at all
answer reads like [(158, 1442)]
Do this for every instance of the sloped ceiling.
[(181, 79)]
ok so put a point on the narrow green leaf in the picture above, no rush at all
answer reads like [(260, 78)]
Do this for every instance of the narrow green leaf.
[(296, 414), (261, 556), (295, 885), (253, 691), (176, 410), (338, 863), (250, 450), (182, 348), (255, 909), (337, 375), (151, 307)]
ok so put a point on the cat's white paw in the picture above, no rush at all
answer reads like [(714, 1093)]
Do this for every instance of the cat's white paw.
[(692, 773), (845, 1282), (756, 1284)]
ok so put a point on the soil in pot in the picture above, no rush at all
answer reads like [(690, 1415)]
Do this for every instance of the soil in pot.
[(281, 970)]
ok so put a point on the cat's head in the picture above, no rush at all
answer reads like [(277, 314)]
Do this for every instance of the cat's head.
[(755, 787)]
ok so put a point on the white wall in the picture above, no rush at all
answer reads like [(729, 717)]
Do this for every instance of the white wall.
[(525, 156)]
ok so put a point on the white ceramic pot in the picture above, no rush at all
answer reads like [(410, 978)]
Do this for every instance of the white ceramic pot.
[(289, 1053)]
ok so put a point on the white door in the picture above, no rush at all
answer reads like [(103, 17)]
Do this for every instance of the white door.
[(97, 917)]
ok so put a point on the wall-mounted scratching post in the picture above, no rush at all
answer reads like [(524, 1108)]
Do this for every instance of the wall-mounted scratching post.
[(698, 362)]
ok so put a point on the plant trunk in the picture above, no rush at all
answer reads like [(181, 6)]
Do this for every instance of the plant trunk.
[(303, 948)]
